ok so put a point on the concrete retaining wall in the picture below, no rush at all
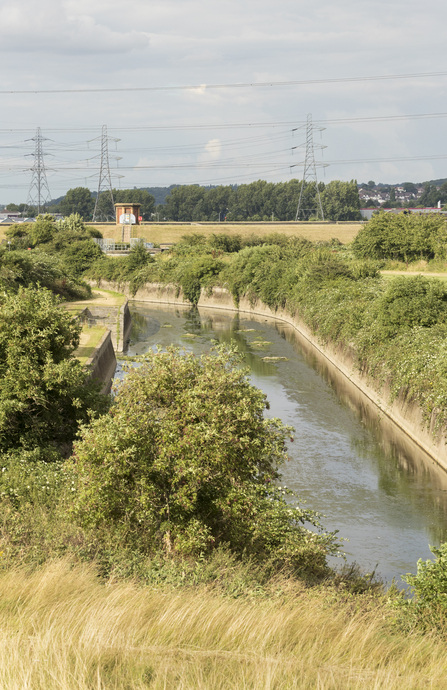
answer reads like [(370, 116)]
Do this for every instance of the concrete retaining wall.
[(405, 413), (103, 362)]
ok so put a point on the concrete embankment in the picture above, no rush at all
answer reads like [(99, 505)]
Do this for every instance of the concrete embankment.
[(405, 413), (108, 313), (103, 362)]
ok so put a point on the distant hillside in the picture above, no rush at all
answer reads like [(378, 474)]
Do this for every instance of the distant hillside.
[(437, 183), (160, 193)]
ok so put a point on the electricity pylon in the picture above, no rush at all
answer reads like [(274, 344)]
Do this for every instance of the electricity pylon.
[(39, 192), (310, 167), (105, 178)]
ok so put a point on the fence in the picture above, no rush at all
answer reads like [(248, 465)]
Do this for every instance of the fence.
[(108, 245)]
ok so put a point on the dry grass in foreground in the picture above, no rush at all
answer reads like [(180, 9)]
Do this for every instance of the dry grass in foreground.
[(172, 233), (61, 628)]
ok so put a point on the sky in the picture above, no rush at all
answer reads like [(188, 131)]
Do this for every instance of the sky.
[(221, 135)]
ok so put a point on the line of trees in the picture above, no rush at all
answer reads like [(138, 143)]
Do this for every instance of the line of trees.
[(257, 201), (262, 200)]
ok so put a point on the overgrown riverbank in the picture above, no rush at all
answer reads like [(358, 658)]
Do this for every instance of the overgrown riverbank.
[(397, 327)]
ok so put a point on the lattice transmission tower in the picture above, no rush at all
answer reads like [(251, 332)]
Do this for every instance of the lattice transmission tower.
[(310, 169), (105, 209), (39, 192)]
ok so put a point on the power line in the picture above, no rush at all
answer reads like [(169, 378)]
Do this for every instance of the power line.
[(205, 87), (233, 125)]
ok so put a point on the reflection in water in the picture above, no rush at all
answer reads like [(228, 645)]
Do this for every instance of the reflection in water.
[(370, 480)]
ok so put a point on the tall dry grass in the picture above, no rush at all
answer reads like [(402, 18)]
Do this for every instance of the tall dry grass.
[(61, 628)]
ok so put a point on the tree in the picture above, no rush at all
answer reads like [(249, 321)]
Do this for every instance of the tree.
[(78, 200), (137, 196), (44, 392), (43, 230), (341, 200), (186, 461), (181, 203)]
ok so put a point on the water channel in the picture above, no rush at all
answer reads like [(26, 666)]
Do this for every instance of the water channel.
[(371, 482)]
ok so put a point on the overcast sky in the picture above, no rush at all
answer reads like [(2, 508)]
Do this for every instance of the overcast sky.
[(106, 44)]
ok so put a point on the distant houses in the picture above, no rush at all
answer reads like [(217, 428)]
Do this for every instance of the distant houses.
[(381, 196)]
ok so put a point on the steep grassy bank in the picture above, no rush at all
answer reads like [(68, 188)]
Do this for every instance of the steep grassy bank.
[(64, 628)]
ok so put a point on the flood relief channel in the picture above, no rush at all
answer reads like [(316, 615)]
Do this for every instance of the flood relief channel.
[(369, 480)]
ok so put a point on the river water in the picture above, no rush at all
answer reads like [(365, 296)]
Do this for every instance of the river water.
[(372, 483)]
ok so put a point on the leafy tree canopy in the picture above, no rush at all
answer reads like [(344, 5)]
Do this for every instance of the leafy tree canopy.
[(340, 201), (186, 461), (44, 391), (78, 200)]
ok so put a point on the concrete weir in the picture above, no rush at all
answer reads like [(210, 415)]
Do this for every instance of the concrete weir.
[(406, 414)]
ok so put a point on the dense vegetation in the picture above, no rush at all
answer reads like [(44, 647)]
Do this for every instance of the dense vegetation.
[(61, 252), (198, 469), (403, 237), (262, 200)]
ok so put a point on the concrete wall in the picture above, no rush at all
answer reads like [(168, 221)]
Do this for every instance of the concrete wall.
[(117, 319), (103, 362), (405, 413)]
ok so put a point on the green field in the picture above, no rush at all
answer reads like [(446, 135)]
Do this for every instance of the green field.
[(152, 232)]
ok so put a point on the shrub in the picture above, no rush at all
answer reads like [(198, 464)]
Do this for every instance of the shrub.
[(32, 268), (428, 609), (43, 230), (79, 256), (225, 243), (185, 462), (401, 236), (197, 275), (412, 301), (44, 391)]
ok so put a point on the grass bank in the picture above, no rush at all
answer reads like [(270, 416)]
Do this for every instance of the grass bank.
[(63, 628), (172, 233)]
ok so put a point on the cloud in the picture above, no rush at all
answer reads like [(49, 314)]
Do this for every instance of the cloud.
[(213, 149), (58, 27)]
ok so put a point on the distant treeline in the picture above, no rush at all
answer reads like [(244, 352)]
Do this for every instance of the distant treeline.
[(262, 200), (256, 201)]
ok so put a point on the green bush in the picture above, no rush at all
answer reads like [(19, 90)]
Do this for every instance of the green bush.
[(412, 301), (32, 477), (185, 462), (44, 392), (428, 608), (404, 237), (43, 230), (225, 243), (79, 256), (33, 268), (198, 274)]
